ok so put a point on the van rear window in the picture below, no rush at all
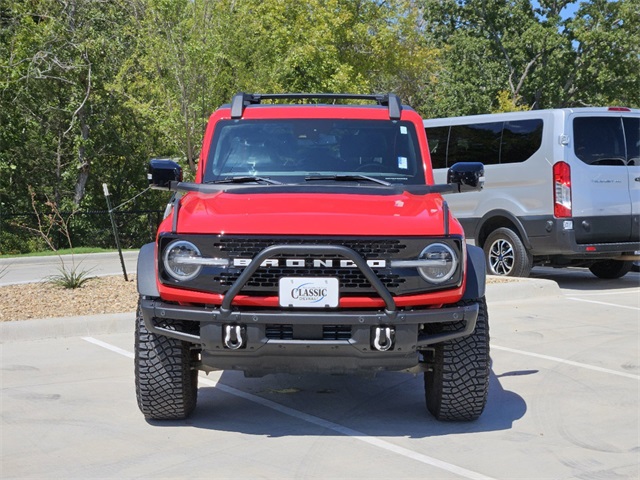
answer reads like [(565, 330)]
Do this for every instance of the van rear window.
[(606, 140)]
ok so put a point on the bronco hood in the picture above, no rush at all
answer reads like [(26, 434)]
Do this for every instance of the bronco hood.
[(341, 214)]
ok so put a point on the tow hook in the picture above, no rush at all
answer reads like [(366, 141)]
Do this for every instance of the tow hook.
[(383, 338), (233, 337)]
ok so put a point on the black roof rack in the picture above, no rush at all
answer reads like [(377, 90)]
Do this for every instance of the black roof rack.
[(241, 100)]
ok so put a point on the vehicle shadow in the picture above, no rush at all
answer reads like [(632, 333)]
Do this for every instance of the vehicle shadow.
[(583, 279), (388, 405)]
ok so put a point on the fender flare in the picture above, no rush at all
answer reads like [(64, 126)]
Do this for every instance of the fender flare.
[(146, 279), (489, 216), (476, 274)]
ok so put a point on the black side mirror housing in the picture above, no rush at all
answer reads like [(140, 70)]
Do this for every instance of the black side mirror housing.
[(467, 176), (162, 172)]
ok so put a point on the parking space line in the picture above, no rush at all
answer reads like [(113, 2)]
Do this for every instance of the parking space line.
[(566, 362), (603, 303), (342, 430), (606, 294), (108, 346)]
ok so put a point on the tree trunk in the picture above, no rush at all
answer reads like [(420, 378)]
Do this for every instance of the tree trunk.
[(84, 164)]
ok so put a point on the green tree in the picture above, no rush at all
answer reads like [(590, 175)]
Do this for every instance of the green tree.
[(192, 56), (506, 54), (605, 59), (64, 130)]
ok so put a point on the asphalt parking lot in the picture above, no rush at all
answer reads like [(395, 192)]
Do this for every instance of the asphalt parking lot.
[(563, 403)]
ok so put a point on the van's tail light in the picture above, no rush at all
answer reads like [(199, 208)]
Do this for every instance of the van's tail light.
[(562, 190)]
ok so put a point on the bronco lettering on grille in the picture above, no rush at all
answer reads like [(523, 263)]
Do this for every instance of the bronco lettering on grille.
[(303, 263)]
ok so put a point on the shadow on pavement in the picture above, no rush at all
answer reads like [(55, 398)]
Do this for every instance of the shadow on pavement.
[(389, 405), (583, 279)]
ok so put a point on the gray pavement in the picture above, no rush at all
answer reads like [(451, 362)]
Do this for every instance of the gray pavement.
[(15, 271), (563, 404)]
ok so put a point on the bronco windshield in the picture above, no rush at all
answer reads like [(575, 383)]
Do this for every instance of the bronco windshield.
[(299, 150)]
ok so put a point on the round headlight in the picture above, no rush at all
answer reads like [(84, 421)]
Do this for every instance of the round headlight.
[(442, 263), (180, 260)]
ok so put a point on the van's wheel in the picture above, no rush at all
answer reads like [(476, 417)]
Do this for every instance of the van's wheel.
[(506, 254), (166, 380), (610, 269), (457, 383)]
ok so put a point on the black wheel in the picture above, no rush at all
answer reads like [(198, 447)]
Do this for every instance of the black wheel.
[(609, 269), (456, 386), (166, 380), (506, 254)]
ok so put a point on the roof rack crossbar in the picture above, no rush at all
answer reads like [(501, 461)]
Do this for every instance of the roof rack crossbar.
[(241, 100)]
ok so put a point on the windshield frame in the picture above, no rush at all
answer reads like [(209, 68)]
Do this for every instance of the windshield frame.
[(399, 162)]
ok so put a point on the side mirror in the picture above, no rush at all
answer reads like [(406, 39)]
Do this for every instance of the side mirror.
[(467, 176), (162, 172)]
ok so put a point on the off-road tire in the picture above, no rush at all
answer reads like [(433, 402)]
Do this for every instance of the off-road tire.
[(610, 269), (457, 384), (506, 254), (165, 377)]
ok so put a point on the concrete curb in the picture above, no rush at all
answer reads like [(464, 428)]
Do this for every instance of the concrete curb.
[(508, 289), (499, 289)]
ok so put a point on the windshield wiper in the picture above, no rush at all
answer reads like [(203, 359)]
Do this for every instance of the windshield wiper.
[(347, 178), (247, 179)]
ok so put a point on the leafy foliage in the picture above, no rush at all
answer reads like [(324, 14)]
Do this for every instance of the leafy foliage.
[(537, 56)]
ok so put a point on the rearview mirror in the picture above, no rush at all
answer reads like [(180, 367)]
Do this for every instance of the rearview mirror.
[(467, 176), (162, 172)]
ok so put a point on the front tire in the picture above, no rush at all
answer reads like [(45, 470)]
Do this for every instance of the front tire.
[(457, 384), (165, 375), (506, 255), (610, 269)]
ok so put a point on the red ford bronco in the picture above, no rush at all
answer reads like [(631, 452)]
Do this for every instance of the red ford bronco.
[(312, 240)]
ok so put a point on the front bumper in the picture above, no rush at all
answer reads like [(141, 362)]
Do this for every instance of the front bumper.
[(306, 347)]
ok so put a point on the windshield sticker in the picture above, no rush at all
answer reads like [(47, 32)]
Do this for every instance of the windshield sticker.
[(403, 130), (403, 163)]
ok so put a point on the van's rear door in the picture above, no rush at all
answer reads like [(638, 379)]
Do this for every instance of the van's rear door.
[(605, 194), (632, 138)]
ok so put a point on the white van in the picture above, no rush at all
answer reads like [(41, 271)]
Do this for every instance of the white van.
[(562, 186)]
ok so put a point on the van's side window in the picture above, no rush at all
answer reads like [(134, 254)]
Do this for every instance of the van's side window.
[(489, 143), (632, 137), (475, 143), (599, 140), (437, 138), (520, 140)]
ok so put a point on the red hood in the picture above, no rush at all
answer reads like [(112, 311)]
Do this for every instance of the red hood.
[(312, 214)]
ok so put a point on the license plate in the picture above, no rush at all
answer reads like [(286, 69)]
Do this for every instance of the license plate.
[(309, 292)]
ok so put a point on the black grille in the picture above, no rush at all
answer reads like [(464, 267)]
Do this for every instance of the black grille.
[(279, 332), (286, 332), (349, 279), (249, 248), (336, 332)]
